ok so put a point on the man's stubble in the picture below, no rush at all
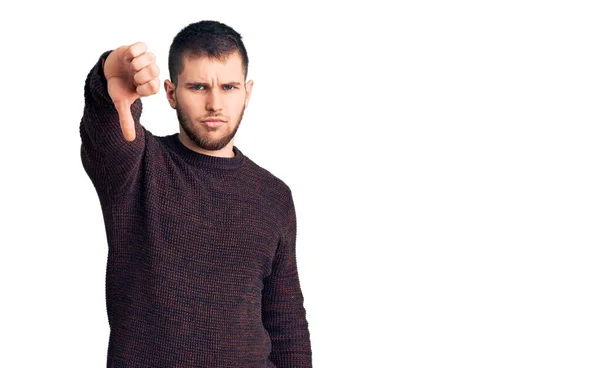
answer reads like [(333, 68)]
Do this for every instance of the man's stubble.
[(204, 142)]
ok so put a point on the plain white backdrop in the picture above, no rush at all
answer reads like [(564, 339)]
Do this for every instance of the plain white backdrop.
[(443, 158)]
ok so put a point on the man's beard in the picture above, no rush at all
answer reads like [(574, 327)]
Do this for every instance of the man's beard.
[(204, 142)]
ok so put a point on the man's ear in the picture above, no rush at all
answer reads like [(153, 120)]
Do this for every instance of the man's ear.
[(249, 85), (170, 90)]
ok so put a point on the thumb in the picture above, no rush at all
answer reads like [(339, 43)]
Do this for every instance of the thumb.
[(127, 123)]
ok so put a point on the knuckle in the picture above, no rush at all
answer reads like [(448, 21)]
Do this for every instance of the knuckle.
[(138, 77), (135, 64), (139, 48), (130, 54)]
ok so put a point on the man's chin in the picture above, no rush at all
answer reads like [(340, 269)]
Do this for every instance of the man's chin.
[(210, 139), (210, 144)]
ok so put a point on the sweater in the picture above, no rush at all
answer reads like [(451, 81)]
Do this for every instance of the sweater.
[(201, 268)]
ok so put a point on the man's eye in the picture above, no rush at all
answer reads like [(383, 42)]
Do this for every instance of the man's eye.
[(227, 87), (197, 87)]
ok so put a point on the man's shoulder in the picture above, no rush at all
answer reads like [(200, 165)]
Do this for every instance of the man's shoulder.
[(268, 179)]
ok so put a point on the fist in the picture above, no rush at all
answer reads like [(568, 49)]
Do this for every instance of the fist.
[(131, 73)]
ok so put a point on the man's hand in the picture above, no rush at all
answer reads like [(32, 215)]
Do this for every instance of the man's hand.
[(131, 73)]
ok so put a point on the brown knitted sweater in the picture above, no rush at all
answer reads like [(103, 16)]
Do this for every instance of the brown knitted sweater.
[(201, 268)]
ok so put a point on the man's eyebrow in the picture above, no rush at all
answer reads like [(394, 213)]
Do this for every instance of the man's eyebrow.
[(233, 83)]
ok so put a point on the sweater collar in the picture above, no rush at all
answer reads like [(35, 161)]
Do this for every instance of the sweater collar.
[(202, 160)]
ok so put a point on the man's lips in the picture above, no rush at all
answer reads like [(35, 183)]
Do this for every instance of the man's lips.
[(213, 122)]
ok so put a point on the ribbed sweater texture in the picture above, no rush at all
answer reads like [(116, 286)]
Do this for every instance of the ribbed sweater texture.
[(201, 268)]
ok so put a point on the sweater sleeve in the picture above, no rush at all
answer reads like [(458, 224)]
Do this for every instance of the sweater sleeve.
[(284, 315), (110, 161)]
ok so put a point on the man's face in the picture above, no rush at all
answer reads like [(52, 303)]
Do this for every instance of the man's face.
[(210, 100)]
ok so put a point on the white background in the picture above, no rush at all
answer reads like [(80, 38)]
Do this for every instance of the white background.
[(443, 158)]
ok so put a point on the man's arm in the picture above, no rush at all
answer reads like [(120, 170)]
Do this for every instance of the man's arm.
[(284, 316), (112, 137)]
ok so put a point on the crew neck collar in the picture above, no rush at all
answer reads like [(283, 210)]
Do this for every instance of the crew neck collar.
[(202, 160)]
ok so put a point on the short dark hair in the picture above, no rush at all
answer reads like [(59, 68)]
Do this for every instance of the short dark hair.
[(206, 38)]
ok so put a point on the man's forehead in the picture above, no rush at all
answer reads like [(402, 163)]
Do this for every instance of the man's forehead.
[(232, 57), (230, 64)]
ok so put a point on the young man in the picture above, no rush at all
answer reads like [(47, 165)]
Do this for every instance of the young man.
[(201, 267)]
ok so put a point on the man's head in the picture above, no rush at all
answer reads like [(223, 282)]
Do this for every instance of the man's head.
[(208, 66)]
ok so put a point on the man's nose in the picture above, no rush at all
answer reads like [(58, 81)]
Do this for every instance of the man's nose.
[(214, 101)]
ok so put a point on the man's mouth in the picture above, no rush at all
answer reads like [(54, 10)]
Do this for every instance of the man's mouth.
[(213, 122)]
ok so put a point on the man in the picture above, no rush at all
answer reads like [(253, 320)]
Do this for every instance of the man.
[(201, 267)]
